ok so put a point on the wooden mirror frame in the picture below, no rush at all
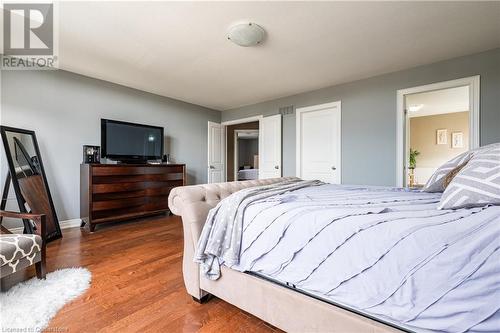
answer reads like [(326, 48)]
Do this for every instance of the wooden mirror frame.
[(56, 234)]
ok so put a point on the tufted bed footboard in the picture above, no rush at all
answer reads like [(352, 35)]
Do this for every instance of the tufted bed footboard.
[(273, 303), (192, 203)]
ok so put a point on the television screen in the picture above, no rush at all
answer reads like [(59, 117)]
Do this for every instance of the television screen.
[(129, 141)]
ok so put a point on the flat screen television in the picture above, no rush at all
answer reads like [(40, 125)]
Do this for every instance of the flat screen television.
[(130, 142)]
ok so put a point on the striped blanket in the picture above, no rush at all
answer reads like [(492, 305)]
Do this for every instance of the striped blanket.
[(383, 251)]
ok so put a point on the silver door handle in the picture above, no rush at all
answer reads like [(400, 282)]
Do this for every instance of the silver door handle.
[(212, 167), (276, 167), (334, 168)]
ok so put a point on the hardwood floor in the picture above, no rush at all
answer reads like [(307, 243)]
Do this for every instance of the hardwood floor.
[(137, 283)]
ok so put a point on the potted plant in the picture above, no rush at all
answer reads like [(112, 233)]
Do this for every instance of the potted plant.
[(413, 164)]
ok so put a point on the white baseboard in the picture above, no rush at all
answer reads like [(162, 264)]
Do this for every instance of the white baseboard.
[(66, 224)]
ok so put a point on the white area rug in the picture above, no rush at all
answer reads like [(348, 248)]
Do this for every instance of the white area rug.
[(31, 304)]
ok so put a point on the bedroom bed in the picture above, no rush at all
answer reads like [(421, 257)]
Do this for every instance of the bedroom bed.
[(369, 259), (248, 174)]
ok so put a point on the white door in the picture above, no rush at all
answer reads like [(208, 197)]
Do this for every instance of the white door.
[(216, 147), (318, 142), (270, 147)]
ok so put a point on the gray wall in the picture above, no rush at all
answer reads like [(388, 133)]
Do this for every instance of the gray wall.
[(247, 149), (369, 114), (65, 109)]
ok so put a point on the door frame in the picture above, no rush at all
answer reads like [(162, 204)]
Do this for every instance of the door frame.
[(235, 159), (235, 122), (242, 120), (402, 133), (298, 126)]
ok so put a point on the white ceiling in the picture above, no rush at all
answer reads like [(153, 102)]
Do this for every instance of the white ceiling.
[(179, 50), (439, 101)]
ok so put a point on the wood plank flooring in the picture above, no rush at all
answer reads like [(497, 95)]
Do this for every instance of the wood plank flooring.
[(137, 283)]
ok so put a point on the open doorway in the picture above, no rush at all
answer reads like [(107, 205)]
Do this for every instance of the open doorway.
[(438, 130), (242, 151), (440, 122), (246, 154), (260, 158)]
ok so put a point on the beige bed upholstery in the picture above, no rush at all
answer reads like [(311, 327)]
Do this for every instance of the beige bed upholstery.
[(280, 306)]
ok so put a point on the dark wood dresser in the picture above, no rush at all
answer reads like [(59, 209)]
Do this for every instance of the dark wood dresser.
[(115, 192)]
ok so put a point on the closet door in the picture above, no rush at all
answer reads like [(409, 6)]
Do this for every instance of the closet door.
[(270, 147), (318, 143)]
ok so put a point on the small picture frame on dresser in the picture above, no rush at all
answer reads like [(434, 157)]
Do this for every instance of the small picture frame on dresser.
[(91, 154)]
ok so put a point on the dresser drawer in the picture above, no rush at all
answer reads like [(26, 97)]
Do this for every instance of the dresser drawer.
[(162, 177), (149, 192), (150, 205), (118, 203), (136, 170), (124, 187)]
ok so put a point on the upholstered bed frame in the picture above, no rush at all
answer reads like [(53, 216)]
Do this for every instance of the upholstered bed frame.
[(276, 304)]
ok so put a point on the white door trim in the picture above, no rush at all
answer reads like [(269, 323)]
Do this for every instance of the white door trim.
[(242, 120), (224, 129), (298, 143), (474, 108)]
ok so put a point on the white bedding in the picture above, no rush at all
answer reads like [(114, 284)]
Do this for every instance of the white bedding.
[(248, 174), (383, 251)]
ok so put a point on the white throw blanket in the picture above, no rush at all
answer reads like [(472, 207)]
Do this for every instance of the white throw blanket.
[(220, 240)]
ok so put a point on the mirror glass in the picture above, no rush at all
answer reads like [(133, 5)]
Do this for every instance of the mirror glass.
[(28, 177)]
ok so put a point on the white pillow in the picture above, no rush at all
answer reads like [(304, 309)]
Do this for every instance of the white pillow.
[(477, 184), (436, 182)]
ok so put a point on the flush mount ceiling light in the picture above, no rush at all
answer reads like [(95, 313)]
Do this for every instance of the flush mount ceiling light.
[(246, 34)]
